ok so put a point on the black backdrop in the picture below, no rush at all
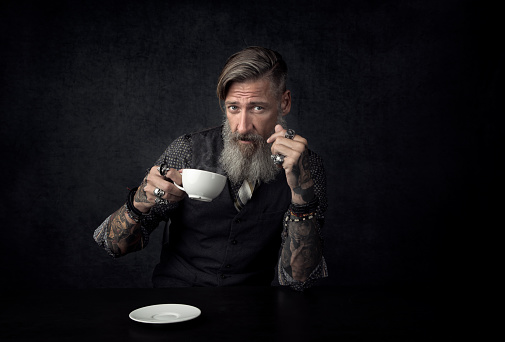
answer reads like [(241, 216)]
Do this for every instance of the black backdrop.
[(398, 97)]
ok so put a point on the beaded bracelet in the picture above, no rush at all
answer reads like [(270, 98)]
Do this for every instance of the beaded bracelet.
[(302, 212), (299, 215), (308, 217)]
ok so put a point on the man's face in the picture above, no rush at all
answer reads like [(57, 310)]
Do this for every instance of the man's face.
[(252, 111), (253, 108)]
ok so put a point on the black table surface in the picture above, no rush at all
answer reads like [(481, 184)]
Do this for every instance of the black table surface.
[(228, 314)]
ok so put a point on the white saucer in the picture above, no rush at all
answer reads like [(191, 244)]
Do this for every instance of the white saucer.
[(165, 313)]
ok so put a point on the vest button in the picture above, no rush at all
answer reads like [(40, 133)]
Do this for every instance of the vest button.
[(234, 242), (228, 266), (237, 221), (223, 276)]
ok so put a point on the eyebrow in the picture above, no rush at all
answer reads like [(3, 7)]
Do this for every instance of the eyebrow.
[(254, 103)]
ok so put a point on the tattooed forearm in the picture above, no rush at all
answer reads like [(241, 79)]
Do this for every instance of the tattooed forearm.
[(302, 249), (140, 195), (304, 184), (124, 236)]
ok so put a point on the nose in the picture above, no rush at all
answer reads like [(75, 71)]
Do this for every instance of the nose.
[(244, 123)]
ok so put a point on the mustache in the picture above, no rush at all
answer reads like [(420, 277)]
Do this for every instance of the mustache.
[(247, 137)]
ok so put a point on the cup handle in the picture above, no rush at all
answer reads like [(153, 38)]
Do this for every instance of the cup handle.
[(179, 187)]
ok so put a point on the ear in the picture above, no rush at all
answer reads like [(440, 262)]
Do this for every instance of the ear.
[(286, 103)]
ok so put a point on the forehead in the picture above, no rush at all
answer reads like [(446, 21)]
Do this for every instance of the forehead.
[(248, 89)]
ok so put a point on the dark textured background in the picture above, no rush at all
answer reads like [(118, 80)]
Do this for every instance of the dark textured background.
[(398, 97)]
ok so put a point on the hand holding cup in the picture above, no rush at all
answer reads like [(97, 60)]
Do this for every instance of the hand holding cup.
[(159, 188)]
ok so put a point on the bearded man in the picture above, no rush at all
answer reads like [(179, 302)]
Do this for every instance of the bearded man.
[(274, 201)]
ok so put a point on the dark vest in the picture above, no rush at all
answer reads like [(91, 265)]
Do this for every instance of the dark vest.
[(211, 244)]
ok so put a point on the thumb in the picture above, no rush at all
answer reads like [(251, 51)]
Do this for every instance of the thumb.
[(278, 128)]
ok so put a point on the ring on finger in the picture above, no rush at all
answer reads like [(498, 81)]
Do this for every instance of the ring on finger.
[(278, 159), (158, 200), (159, 193), (290, 134), (163, 169)]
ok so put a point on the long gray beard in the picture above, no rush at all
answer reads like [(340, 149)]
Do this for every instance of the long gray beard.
[(251, 161)]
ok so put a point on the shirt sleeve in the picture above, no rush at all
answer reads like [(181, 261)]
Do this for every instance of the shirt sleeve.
[(178, 155), (321, 271)]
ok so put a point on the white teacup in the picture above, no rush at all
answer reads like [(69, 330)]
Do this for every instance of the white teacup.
[(202, 185)]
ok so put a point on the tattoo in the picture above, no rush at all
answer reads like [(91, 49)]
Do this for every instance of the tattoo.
[(124, 236), (302, 249), (140, 195), (305, 185)]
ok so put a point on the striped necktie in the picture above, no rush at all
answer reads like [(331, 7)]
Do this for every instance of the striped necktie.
[(244, 194)]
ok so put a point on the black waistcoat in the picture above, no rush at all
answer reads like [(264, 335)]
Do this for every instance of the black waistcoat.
[(211, 244)]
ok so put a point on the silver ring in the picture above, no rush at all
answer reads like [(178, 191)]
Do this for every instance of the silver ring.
[(290, 134), (163, 169), (277, 158), (159, 193), (158, 200)]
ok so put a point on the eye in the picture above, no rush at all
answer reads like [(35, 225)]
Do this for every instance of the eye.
[(258, 108), (232, 108)]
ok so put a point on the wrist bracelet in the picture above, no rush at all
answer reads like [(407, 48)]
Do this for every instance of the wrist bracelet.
[(301, 210), (131, 215), (298, 219), (133, 212), (299, 215)]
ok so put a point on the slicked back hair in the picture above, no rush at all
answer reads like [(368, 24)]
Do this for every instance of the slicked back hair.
[(251, 64)]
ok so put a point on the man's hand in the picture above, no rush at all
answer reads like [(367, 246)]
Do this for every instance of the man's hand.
[(296, 164), (145, 198)]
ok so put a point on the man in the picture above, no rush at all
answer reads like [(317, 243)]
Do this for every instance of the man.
[(275, 196)]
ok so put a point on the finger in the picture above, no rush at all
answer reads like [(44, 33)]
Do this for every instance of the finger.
[(175, 192), (156, 180), (278, 132), (287, 146), (174, 175), (171, 192), (290, 156), (291, 153), (155, 172), (280, 136), (169, 188)]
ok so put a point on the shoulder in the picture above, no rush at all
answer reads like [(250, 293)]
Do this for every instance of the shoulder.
[(205, 132), (179, 154), (186, 140)]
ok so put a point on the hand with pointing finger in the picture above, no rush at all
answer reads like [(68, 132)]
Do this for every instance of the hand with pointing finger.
[(294, 161)]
